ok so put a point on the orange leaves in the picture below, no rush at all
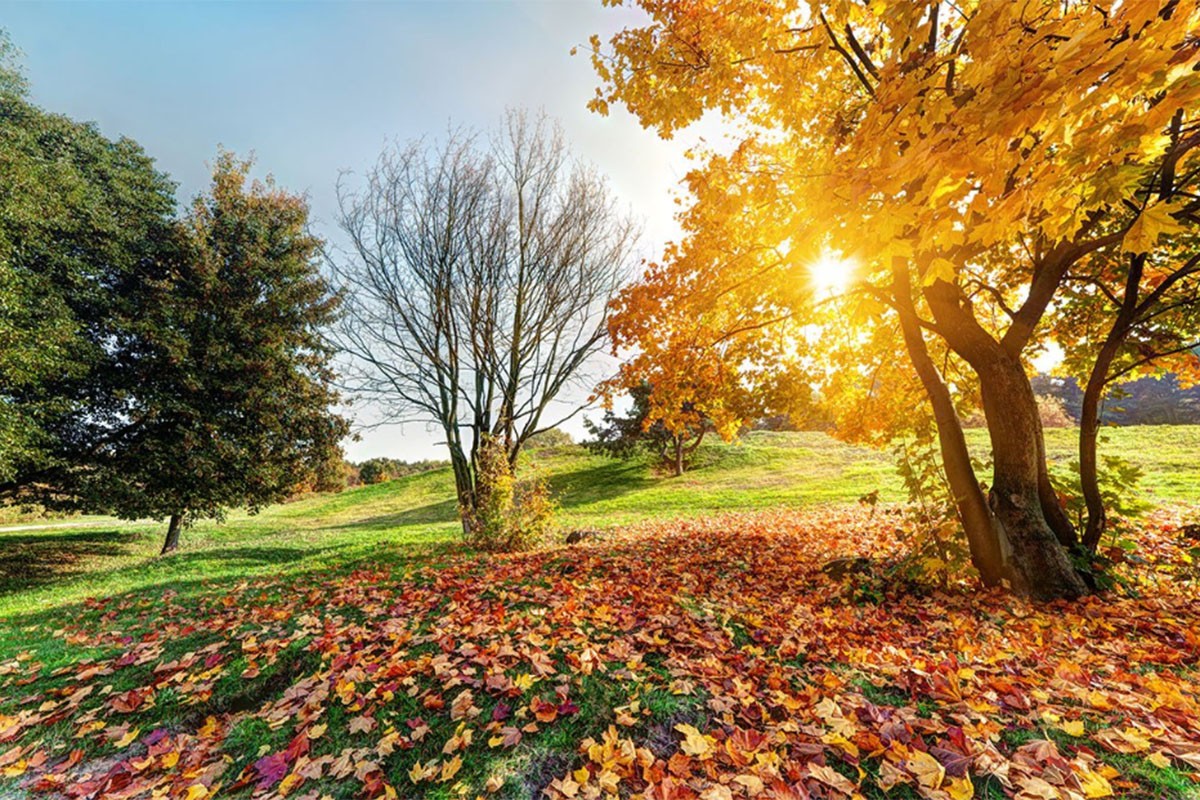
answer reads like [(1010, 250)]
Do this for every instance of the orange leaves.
[(727, 663)]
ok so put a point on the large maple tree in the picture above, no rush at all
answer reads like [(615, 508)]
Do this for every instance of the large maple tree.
[(968, 156)]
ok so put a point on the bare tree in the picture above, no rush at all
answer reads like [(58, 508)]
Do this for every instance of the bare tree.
[(477, 285)]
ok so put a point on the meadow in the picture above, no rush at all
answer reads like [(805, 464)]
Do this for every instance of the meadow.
[(347, 645)]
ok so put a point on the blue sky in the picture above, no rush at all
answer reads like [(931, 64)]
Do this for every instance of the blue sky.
[(316, 88)]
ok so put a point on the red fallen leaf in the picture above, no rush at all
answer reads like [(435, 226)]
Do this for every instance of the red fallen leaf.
[(956, 764), (543, 711), (567, 708), (501, 712), (127, 702), (271, 769), (418, 727), (299, 746), (155, 736), (680, 766)]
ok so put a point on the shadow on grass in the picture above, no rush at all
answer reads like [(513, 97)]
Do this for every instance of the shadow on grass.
[(209, 572), (34, 559), (443, 511), (604, 481)]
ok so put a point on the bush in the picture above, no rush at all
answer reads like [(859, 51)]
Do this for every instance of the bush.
[(548, 439), (509, 514), (1053, 412)]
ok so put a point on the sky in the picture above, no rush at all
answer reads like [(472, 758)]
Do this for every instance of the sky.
[(315, 89)]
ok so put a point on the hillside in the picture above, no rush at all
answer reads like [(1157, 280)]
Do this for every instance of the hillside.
[(44, 568)]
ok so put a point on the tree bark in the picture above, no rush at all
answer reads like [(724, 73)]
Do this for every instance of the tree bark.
[(677, 466), (172, 541), (1040, 566), (987, 554)]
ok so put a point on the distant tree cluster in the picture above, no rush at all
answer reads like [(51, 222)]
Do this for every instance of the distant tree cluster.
[(153, 364), (378, 470), (1150, 400)]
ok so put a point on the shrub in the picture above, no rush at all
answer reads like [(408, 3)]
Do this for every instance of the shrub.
[(509, 514), (548, 439), (1053, 412)]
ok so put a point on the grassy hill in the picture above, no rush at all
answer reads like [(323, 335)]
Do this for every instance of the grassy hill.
[(346, 645), (41, 569)]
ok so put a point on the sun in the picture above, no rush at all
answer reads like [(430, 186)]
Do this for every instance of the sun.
[(830, 274)]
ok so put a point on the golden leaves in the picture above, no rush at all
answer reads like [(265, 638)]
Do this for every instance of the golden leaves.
[(1153, 222), (695, 743)]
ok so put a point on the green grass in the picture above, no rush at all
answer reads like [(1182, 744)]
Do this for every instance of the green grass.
[(414, 517)]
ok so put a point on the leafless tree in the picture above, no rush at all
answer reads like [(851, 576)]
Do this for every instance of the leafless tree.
[(477, 284)]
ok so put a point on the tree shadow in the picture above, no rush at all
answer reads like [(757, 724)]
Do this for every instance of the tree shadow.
[(443, 511), (32, 559), (604, 481)]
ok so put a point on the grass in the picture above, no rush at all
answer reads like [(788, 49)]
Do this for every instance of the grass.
[(48, 574), (414, 516)]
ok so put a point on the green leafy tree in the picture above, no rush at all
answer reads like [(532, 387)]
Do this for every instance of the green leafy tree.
[(80, 217), (228, 378)]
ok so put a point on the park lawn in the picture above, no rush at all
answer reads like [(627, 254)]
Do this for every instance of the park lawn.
[(704, 658), (53, 567), (204, 652)]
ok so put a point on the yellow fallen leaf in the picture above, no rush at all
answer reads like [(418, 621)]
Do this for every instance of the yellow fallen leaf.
[(960, 789), (417, 773), (1159, 760), (1072, 727), (451, 768), (128, 738), (1094, 784), (695, 743), (197, 791), (927, 769)]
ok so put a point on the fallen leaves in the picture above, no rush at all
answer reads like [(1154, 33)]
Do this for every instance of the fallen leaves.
[(706, 659)]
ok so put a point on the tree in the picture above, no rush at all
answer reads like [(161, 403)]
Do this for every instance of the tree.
[(1148, 319), (968, 156), (80, 216), (477, 286), (226, 367)]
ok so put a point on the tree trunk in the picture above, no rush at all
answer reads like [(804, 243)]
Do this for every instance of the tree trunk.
[(983, 537), (1040, 566), (1089, 431), (1089, 412), (677, 466), (464, 487), (172, 542)]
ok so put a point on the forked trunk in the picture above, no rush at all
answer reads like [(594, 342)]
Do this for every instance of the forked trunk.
[(983, 537), (172, 542), (1040, 566)]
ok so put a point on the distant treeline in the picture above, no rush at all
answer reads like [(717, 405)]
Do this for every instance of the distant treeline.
[(378, 470), (1145, 401)]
